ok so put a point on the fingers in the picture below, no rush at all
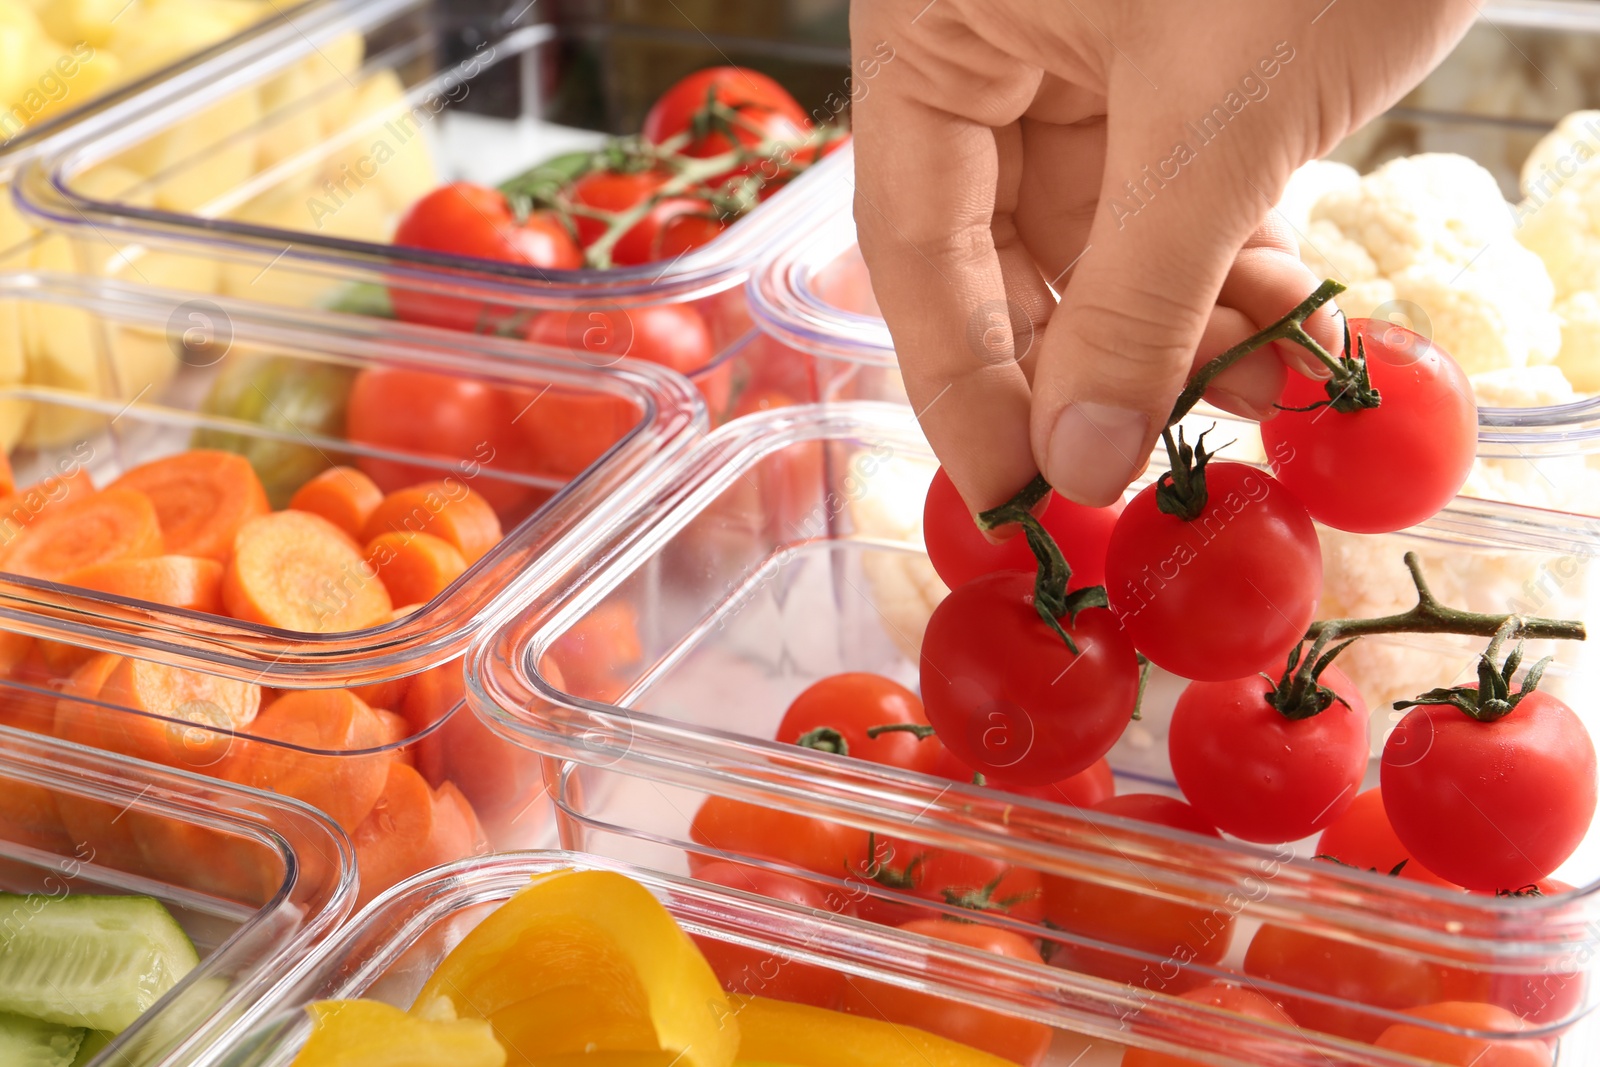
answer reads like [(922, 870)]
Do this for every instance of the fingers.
[(1029, 300), (1267, 280)]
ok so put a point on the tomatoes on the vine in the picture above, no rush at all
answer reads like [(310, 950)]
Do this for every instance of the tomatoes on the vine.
[(960, 553), (1363, 838), (760, 107), (1223, 595), (1256, 773), (834, 715), (946, 876), (1008, 697), (1229, 998), (1448, 1040), (1374, 470), (665, 229), (1490, 805)]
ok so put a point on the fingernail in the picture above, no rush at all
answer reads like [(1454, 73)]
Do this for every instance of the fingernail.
[(1095, 450)]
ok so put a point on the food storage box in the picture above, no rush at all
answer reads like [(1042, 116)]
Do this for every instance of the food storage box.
[(255, 882), (303, 704), (284, 181), (787, 549)]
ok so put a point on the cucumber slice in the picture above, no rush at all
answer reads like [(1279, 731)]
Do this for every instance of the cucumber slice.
[(28, 1042), (95, 962)]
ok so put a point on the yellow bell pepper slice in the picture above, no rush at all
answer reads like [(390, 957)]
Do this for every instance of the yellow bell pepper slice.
[(369, 1033), (583, 962), (798, 1035)]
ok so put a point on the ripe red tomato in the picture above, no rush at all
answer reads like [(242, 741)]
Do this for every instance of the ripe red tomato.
[(1018, 1040), (754, 972), (849, 704), (1356, 973), (947, 876), (464, 219), (1228, 998), (960, 553), (738, 828), (1085, 789), (763, 105), (1490, 805), (1458, 1049), (1362, 837), (667, 226), (1179, 933), (1548, 996), (1223, 596), (1342, 465), (1009, 698), (1257, 774)]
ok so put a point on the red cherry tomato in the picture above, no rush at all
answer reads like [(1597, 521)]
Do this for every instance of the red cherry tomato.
[(1228, 998), (1546, 997), (1460, 1050), (464, 219), (738, 828), (1490, 805), (946, 876), (687, 231), (646, 241), (754, 972), (765, 110), (1342, 465), (1180, 933), (1083, 790), (1223, 596), (1362, 837), (1017, 1040), (845, 706), (1006, 695), (1257, 774), (960, 553)]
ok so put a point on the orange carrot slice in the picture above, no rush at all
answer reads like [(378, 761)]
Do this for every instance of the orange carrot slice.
[(394, 840), (298, 571), (113, 525), (8, 477), (344, 496), (446, 509), (202, 498), (192, 582), (331, 723), (18, 509), (414, 566), (456, 831), (396, 729)]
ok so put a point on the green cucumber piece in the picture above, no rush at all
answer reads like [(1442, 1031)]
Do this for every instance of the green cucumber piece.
[(26, 1042), (95, 962)]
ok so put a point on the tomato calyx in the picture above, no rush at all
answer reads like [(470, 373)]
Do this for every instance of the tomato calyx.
[(878, 869), (824, 739), (1350, 388), (1392, 872), (1529, 890), (982, 898), (1492, 698), (1299, 693), (1181, 490), (1050, 597)]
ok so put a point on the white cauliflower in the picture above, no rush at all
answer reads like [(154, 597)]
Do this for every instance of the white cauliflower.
[(1431, 237), (1559, 218), (1311, 183), (1579, 359)]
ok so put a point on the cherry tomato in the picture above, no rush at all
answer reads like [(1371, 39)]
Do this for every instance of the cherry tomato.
[(646, 240), (755, 972), (1342, 465), (464, 219), (1082, 790), (1006, 694), (687, 231), (437, 417), (1226, 595), (1546, 997), (1259, 775), (765, 110), (845, 706), (960, 553), (1179, 933), (947, 876), (1018, 1040), (1460, 1050), (1362, 837), (1228, 998), (1490, 805), (738, 828), (1357, 973)]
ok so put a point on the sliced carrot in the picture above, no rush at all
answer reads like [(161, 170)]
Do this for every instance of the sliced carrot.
[(62, 659), (414, 566), (192, 582), (214, 706), (344, 496), (393, 841), (15, 649), (391, 692), (298, 571), (456, 831), (331, 724), (18, 509), (108, 526), (446, 509), (8, 477), (202, 498), (395, 730)]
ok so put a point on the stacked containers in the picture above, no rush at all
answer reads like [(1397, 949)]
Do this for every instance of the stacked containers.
[(277, 879), (479, 98), (352, 713), (786, 550)]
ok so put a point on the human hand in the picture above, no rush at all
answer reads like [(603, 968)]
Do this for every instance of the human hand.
[(1127, 153)]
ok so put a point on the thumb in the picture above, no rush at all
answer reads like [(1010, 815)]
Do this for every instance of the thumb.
[(1119, 346)]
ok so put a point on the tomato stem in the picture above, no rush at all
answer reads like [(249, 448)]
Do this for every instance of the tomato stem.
[(1181, 490), (921, 731), (1145, 666)]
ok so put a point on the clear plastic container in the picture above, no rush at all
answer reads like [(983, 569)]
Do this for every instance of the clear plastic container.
[(201, 691), (275, 881), (787, 549), (263, 188)]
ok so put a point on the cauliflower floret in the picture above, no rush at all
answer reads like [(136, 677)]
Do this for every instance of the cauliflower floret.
[(1533, 387), (1311, 183), (1579, 358)]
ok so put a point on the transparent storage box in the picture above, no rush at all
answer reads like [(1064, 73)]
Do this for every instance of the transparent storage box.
[(254, 881), (547, 447), (787, 549), (283, 183)]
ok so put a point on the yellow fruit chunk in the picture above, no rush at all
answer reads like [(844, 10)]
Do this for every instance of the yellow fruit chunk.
[(587, 962), (367, 1033), (797, 1035)]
